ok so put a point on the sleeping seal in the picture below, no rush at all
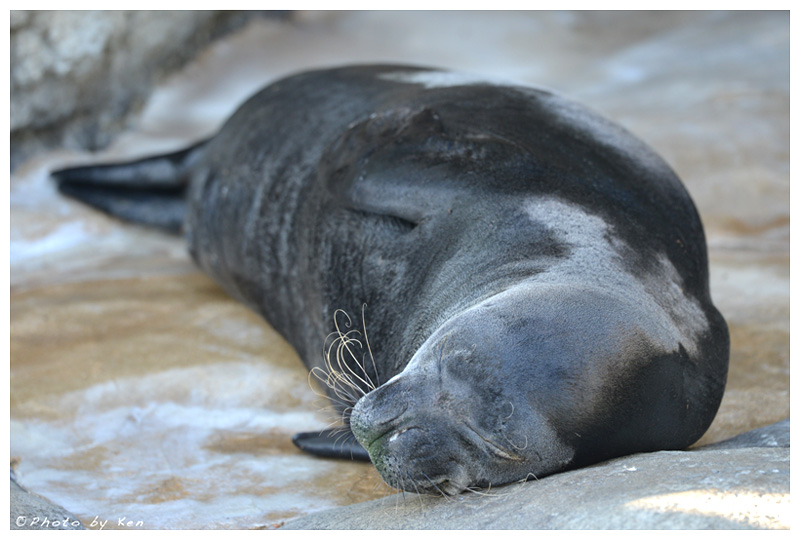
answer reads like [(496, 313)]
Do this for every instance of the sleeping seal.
[(535, 278)]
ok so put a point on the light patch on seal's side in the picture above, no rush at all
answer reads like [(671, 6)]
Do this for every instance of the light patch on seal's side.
[(678, 318), (439, 79), (684, 310)]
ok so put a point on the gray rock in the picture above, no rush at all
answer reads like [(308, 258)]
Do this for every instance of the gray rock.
[(76, 76), (738, 484), (772, 436), (32, 512)]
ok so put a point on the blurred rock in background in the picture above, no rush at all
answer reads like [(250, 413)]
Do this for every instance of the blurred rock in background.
[(77, 76)]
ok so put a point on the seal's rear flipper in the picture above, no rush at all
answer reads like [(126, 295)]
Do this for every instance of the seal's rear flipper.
[(332, 443), (148, 191)]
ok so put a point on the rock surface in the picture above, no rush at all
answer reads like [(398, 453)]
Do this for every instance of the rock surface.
[(76, 76), (32, 512), (739, 484)]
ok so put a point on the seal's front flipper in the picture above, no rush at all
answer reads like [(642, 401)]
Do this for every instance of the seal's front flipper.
[(148, 191), (332, 443)]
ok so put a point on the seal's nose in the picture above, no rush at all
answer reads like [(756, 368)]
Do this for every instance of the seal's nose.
[(379, 412), (413, 443), (413, 450)]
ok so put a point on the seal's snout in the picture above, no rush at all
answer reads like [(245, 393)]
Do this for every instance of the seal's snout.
[(409, 441), (422, 455)]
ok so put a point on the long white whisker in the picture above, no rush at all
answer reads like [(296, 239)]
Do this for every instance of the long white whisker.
[(369, 349), (341, 363)]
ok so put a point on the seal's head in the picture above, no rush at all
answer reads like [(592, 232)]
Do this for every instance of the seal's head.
[(463, 414), (531, 381)]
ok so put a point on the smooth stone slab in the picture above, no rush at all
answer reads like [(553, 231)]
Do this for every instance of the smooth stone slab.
[(742, 483)]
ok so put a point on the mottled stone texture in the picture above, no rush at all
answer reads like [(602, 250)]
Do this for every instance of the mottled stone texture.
[(32, 512), (77, 76)]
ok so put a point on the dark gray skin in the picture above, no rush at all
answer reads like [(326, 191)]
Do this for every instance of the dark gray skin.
[(536, 278)]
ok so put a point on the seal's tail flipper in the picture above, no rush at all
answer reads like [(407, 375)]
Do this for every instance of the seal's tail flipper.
[(332, 443), (148, 191)]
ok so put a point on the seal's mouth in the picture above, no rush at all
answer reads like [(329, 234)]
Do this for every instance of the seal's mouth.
[(418, 444), (444, 487), (433, 454), (410, 475)]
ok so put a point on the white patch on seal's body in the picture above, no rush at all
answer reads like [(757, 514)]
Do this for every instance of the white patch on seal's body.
[(440, 79), (596, 253)]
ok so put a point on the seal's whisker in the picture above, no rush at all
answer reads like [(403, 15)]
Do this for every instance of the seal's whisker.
[(386, 488), (340, 438), (323, 377), (481, 492), (443, 494), (403, 487), (523, 447), (369, 349), (527, 478), (332, 416), (334, 425), (345, 381), (338, 417), (366, 380), (339, 374), (331, 407), (344, 341), (511, 413), (520, 484), (345, 368), (343, 395), (361, 364), (419, 495), (332, 419)]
